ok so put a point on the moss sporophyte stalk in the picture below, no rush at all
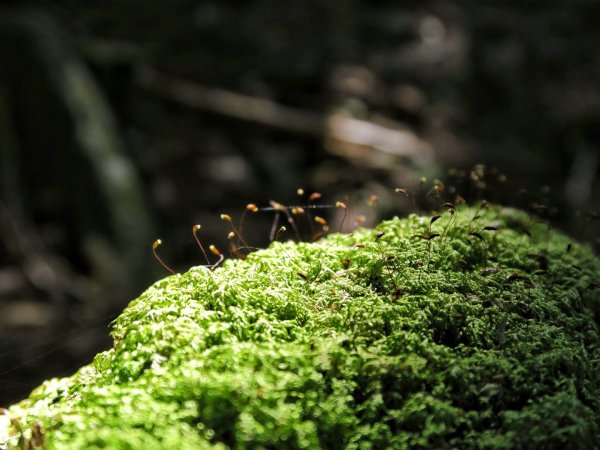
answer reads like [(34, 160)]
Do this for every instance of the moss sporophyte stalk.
[(476, 330)]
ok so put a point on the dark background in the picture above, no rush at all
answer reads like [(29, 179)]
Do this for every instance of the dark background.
[(122, 121)]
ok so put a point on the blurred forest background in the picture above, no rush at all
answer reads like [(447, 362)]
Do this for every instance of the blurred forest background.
[(122, 121)]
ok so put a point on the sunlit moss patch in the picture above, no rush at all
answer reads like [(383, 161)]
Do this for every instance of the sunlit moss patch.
[(475, 330)]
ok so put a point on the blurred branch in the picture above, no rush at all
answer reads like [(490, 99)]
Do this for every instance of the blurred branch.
[(104, 191), (231, 104), (393, 140)]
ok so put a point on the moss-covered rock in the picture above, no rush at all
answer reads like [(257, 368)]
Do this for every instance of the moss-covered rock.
[(479, 329)]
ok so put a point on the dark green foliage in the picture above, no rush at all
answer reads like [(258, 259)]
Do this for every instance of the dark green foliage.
[(400, 342)]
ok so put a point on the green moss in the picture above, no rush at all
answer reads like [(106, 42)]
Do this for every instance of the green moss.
[(471, 339)]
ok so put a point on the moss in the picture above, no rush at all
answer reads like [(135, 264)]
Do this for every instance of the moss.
[(470, 339)]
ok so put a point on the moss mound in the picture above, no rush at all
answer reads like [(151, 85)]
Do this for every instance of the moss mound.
[(477, 330)]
